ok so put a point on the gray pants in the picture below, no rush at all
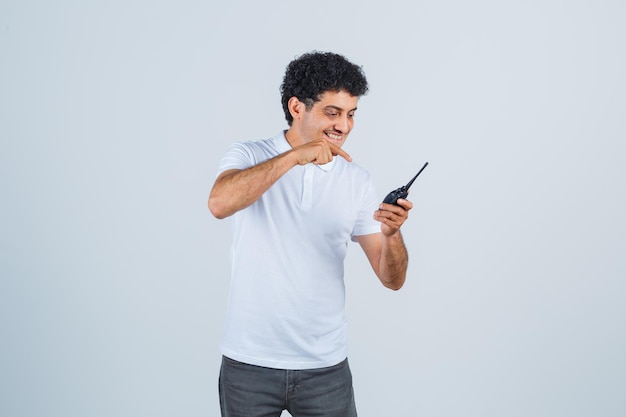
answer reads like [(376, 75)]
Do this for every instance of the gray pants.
[(255, 391)]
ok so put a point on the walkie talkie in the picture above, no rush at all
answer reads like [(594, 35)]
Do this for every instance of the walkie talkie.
[(402, 192)]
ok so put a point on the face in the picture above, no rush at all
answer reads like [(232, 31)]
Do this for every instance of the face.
[(331, 118)]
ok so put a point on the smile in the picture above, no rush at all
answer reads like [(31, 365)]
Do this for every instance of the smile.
[(334, 136)]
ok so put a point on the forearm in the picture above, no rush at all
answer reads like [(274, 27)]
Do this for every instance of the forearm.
[(393, 261), (237, 190)]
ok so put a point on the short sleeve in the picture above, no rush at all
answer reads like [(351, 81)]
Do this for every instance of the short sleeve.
[(237, 156)]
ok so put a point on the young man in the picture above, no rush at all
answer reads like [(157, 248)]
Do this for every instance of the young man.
[(297, 200)]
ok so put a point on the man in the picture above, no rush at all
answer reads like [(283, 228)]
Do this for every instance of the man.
[(297, 199)]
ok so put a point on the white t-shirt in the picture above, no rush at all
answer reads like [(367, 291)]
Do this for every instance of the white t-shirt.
[(286, 306)]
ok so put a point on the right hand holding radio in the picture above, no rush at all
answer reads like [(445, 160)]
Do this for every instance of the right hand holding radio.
[(392, 216)]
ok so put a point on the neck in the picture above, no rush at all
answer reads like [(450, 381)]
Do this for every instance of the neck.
[(293, 138)]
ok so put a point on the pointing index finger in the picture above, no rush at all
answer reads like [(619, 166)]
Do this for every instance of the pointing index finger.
[(336, 150)]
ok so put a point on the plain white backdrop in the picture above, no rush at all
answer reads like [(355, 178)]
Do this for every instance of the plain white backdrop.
[(113, 274)]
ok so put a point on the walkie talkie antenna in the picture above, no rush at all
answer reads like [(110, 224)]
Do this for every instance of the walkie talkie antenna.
[(411, 182), (402, 192)]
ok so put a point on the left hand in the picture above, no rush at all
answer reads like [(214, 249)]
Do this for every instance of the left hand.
[(392, 216)]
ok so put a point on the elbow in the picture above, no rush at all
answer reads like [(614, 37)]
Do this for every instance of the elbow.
[(393, 286), (216, 209), (216, 204)]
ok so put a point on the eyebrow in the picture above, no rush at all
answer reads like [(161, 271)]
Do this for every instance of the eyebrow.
[(330, 106)]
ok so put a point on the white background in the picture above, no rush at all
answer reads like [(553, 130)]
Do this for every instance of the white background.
[(114, 115)]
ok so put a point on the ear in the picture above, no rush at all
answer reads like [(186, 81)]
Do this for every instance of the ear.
[(296, 108)]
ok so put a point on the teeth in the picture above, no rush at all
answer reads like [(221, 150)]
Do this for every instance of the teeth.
[(336, 137)]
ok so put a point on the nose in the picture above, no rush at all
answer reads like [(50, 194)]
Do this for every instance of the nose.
[(344, 124)]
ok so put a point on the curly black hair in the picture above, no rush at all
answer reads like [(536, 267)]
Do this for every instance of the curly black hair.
[(310, 75)]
